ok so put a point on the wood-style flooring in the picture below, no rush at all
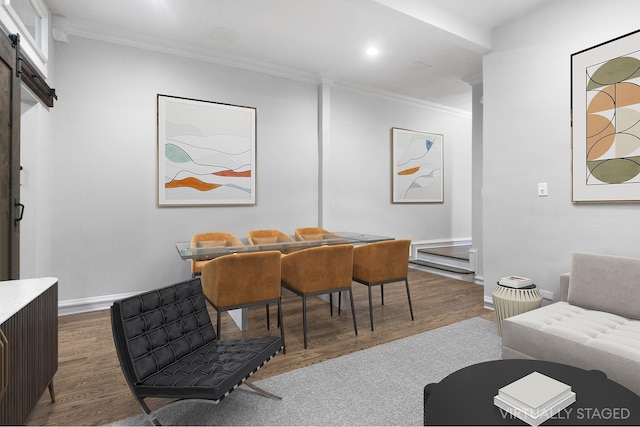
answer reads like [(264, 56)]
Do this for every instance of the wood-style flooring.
[(91, 390)]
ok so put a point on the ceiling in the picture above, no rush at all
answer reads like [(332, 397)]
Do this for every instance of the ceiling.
[(429, 49)]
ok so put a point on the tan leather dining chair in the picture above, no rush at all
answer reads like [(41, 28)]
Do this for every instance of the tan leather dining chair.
[(244, 280), (265, 237), (318, 271), (379, 263), (214, 239), (311, 233)]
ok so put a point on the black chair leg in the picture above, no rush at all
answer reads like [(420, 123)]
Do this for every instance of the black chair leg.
[(304, 319), (370, 308), (281, 326), (218, 327), (382, 294), (331, 303), (269, 318), (406, 281), (339, 302), (353, 311)]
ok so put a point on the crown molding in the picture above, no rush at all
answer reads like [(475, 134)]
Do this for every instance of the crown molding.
[(199, 54), (258, 67), (402, 98)]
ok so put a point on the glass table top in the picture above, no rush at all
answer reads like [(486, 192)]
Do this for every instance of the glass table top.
[(207, 250)]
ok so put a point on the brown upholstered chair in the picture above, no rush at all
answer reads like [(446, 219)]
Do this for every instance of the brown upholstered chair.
[(318, 271), (382, 262), (311, 233), (267, 237), (244, 280), (210, 239)]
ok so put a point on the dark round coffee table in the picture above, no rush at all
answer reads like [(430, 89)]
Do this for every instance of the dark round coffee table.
[(466, 396)]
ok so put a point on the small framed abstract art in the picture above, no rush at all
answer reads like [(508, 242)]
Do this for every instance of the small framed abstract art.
[(605, 120), (206, 153), (417, 166)]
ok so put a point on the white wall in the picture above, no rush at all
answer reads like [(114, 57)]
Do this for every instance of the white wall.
[(110, 236), (359, 169), (106, 235), (35, 192), (527, 139), (37, 181), (476, 179)]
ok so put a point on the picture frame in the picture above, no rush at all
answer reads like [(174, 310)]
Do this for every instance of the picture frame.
[(206, 153), (417, 160), (605, 122)]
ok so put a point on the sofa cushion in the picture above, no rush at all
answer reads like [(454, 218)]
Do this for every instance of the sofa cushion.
[(588, 339), (606, 283)]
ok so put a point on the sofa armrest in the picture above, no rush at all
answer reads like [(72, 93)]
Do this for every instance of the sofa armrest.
[(564, 286)]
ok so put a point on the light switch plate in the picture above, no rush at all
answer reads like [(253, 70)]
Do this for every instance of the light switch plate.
[(542, 189)]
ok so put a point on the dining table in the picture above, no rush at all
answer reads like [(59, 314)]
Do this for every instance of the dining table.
[(203, 250), (212, 249)]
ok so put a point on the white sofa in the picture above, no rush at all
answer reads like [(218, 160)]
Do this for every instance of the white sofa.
[(594, 326)]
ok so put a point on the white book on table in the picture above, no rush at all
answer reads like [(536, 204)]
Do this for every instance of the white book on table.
[(534, 417), (534, 398), (515, 281)]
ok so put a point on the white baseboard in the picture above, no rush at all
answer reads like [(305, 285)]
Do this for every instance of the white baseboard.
[(84, 305), (488, 302)]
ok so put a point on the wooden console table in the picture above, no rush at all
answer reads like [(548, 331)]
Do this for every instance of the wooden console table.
[(29, 360)]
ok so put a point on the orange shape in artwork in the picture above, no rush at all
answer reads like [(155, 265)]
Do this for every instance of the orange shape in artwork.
[(194, 183), (229, 172), (601, 135), (627, 94), (602, 101), (409, 171), (615, 96)]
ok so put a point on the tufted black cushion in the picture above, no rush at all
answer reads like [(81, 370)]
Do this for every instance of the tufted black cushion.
[(168, 348)]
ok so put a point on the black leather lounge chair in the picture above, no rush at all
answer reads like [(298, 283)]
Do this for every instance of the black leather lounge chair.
[(167, 347)]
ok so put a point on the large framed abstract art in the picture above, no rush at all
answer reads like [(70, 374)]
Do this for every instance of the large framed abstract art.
[(206, 153), (605, 112), (417, 166)]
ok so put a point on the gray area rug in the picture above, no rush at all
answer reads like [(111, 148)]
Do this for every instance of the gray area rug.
[(382, 385)]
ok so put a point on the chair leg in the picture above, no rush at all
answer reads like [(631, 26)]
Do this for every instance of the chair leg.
[(149, 414), (370, 308), (304, 319), (331, 303), (382, 294), (281, 326), (339, 302), (406, 281), (268, 318), (261, 391), (353, 311), (218, 326)]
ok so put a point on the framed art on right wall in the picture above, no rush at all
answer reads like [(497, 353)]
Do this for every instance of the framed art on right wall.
[(605, 115), (417, 166)]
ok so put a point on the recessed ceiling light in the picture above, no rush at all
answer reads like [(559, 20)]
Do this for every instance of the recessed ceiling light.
[(372, 51)]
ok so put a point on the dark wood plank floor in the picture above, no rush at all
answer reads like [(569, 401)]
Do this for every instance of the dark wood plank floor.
[(91, 390)]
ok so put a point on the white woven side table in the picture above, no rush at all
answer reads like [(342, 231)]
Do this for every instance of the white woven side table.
[(511, 301)]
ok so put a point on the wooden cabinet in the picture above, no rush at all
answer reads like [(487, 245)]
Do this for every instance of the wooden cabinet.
[(29, 321)]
